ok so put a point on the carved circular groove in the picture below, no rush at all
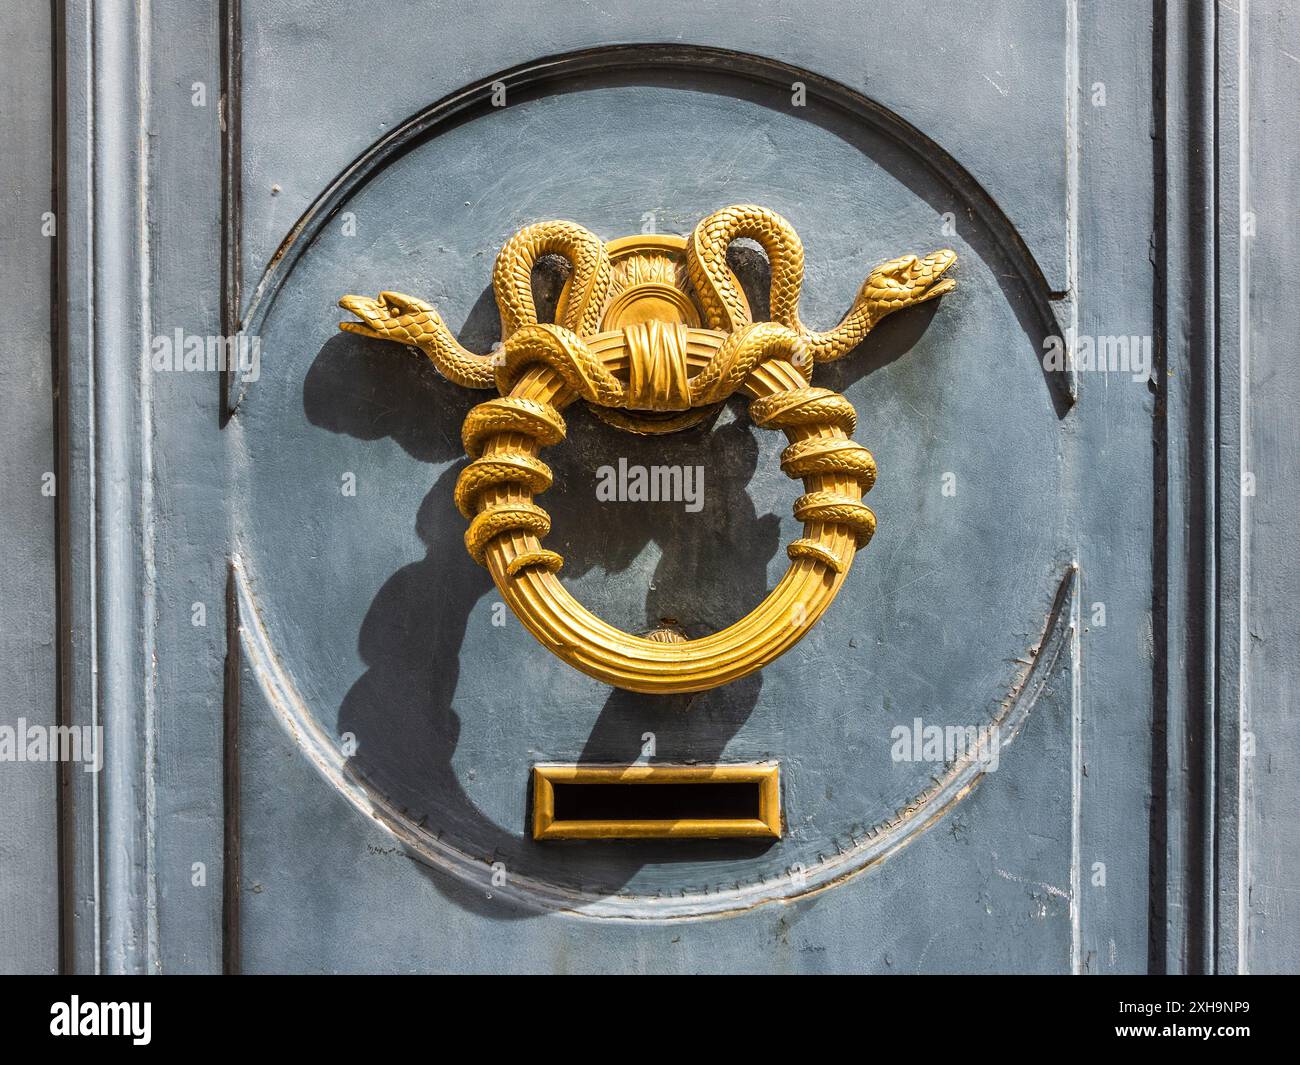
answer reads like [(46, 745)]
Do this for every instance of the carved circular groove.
[(825, 860)]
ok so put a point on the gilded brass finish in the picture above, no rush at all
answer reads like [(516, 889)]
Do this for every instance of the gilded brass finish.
[(766, 825), (654, 333)]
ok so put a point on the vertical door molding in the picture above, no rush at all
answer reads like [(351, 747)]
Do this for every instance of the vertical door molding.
[(1198, 528), (1231, 402), (107, 622)]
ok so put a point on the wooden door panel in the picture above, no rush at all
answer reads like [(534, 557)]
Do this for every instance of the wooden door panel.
[(402, 658), (320, 719)]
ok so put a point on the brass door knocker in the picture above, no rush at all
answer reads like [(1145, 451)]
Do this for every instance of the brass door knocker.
[(655, 333)]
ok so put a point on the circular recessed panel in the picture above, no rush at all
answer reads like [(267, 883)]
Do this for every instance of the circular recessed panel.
[(369, 619)]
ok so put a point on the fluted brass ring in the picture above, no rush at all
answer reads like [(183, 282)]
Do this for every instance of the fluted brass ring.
[(506, 528)]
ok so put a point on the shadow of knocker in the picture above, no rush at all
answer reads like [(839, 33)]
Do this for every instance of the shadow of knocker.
[(403, 704), (654, 333)]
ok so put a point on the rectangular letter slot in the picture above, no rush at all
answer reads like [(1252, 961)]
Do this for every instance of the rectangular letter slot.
[(656, 801)]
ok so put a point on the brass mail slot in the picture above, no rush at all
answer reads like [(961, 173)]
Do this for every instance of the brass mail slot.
[(656, 801)]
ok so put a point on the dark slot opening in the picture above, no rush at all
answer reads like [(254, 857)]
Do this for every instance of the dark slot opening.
[(657, 802)]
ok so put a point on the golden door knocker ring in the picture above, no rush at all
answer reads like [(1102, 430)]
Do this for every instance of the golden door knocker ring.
[(654, 333)]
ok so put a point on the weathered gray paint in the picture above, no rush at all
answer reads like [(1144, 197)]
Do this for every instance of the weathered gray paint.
[(959, 77), (364, 616), (1270, 271), (29, 913)]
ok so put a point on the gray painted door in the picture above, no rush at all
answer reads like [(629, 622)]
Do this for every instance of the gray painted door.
[(319, 719)]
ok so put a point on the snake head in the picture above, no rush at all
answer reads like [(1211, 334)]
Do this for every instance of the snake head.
[(907, 280), (393, 316)]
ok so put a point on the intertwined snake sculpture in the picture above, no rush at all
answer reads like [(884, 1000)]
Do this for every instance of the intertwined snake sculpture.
[(654, 333)]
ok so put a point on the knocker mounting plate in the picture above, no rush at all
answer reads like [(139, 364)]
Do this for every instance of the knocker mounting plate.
[(654, 332)]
